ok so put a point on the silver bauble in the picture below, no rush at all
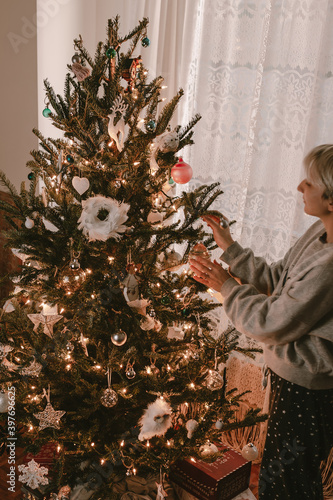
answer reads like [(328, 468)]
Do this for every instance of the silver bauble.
[(109, 398), (130, 373), (250, 452), (214, 381), (118, 338), (76, 58), (219, 424)]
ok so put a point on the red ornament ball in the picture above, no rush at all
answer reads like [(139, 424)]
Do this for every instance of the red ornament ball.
[(181, 172)]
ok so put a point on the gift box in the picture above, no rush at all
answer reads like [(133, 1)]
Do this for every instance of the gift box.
[(46, 456), (223, 479)]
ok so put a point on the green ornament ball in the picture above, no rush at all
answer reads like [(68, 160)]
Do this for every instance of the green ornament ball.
[(70, 159), (171, 181), (31, 175), (151, 125), (165, 300), (145, 42), (46, 112), (111, 53), (185, 312)]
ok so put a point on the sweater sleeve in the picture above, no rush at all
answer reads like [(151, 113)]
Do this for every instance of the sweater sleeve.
[(280, 319), (255, 270)]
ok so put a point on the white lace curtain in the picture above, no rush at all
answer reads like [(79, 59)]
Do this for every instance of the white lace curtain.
[(261, 75)]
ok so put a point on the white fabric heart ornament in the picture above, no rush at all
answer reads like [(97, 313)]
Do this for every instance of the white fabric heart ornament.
[(80, 184)]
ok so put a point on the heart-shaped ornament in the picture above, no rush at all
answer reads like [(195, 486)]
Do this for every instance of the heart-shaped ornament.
[(80, 184)]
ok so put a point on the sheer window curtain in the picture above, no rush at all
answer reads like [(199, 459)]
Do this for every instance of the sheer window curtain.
[(261, 76)]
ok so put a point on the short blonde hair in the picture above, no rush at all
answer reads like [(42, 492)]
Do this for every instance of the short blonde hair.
[(319, 164)]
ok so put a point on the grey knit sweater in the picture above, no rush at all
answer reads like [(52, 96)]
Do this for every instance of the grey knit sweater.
[(288, 306)]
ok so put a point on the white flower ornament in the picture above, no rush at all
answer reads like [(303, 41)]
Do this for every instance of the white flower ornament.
[(113, 224)]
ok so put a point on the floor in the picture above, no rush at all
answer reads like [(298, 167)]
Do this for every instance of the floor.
[(254, 479)]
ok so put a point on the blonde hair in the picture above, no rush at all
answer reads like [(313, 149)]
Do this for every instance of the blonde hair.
[(318, 164)]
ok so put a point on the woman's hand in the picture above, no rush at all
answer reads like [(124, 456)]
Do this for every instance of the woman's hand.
[(208, 273), (221, 231)]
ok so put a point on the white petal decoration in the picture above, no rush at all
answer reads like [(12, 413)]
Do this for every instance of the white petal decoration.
[(156, 420), (113, 224)]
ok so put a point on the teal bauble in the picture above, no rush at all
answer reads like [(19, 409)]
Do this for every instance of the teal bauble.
[(46, 112), (165, 300), (111, 53), (185, 312), (151, 125), (171, 181), (70, 159), (31, 176), (145, 42)]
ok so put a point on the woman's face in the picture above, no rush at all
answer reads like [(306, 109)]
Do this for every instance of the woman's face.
[(314, 203)]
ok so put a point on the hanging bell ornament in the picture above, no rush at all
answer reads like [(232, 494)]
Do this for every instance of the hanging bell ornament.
[(250, 452), (118, 338), (181, 172)]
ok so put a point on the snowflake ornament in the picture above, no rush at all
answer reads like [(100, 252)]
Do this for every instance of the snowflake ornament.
[(33, 474)]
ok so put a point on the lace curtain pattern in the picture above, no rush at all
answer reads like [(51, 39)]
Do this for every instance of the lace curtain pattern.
[(261, 76)]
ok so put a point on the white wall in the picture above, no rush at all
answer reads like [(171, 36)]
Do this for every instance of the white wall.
[(18, 96)]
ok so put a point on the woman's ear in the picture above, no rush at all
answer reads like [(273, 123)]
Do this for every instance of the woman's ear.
[(330, 205)]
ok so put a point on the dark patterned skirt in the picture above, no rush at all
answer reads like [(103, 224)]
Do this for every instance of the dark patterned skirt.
[(299, 437)]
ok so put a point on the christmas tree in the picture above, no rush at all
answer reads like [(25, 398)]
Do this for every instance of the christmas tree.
[(106, 338)]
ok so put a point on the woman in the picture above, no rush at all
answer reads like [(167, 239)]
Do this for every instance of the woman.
[(289, 307)]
